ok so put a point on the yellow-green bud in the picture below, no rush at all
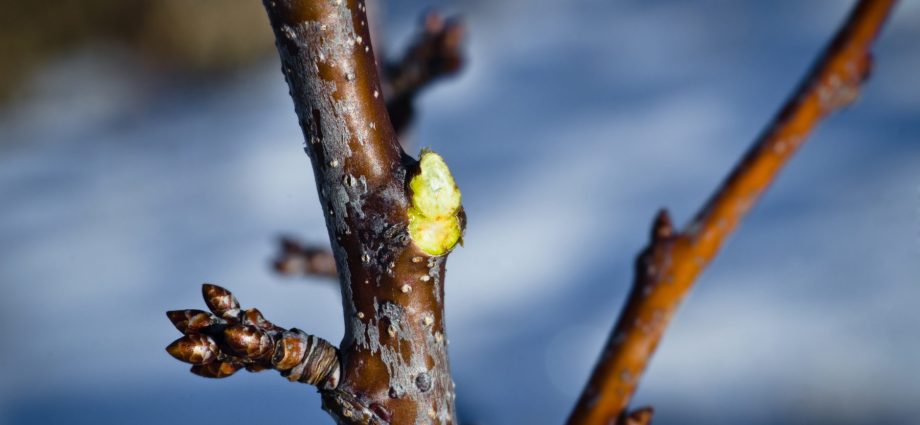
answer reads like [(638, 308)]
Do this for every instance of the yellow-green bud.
[(433, 222)]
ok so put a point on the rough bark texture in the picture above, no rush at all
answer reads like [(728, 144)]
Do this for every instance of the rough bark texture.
[(394, 353), (667, 268)]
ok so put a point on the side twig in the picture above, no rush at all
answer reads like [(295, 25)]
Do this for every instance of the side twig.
[(296, 259), (220, 344), (667, 268)]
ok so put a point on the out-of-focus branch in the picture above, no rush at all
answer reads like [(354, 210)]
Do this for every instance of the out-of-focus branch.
[(220, 343), (667, 268), (296, 259), (435, 53)]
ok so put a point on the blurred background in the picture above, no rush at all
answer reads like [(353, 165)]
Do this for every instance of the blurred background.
[(147, 146)]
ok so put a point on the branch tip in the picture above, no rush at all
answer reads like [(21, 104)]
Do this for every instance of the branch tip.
[(220, 346), (219, 300), (662, 226)]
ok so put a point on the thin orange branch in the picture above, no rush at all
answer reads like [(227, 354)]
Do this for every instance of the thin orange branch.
[(667, 268)]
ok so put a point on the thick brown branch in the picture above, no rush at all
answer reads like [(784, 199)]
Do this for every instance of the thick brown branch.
[(220, 344), (296, 259), (667, 268), (393, 353)]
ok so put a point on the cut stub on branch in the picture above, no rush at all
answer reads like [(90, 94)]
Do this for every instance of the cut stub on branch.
[(435, 52), (219, 343), (667, 268), (297, 259)]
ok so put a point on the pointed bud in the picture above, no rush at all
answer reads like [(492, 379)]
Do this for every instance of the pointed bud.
[(195, 349), (216, 370), (191, 321), (254, 317), (249, 341), (662, 227), (220, 301)]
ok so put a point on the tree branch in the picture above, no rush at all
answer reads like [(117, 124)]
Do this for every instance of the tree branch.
[(392, 221), (667, 268)]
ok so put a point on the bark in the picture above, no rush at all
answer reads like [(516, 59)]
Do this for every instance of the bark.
[(666, 269)]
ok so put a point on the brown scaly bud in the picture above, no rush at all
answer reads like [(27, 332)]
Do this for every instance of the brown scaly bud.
[(249, 341), (216, 370), (191, 321), (219, 347), (254, 317), (195, 349), (220, 301), (308, 359)]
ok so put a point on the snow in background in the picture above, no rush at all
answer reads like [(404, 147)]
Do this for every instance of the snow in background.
[(121, 191)]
